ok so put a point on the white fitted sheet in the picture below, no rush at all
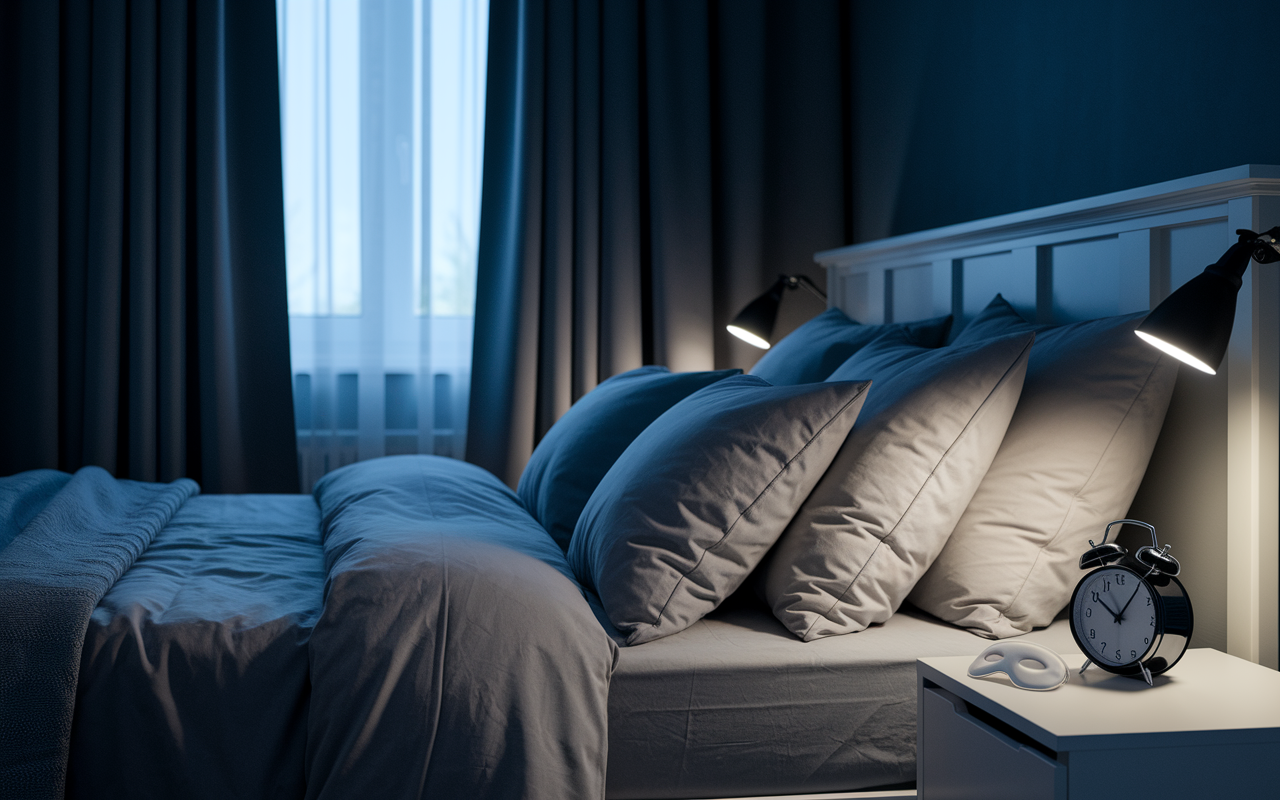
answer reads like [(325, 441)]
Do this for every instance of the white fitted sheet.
[(738, 706)]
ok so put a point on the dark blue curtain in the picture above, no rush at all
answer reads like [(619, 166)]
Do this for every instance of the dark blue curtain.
[(650, 167), (143, 315)]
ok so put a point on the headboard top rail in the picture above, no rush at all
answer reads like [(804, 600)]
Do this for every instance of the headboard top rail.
[(1170, 196)]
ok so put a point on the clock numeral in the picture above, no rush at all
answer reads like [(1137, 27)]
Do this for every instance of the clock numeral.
[(1148, 599), (1088, 612), (1133, 654), (1145, 640), (1120, 579), (1091, 634), (1095, 595), (1106, 585), (1103, 648), (1118, 656), (1153, 622)]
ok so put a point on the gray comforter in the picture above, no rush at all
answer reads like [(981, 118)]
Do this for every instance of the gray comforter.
[(456, 656), (453, 654)]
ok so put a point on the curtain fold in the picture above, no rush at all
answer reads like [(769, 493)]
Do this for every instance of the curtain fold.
[(143, 317), (649, 168)]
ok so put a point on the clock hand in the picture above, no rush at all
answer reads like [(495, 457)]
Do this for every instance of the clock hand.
[(1126, 605), (1108, 608)]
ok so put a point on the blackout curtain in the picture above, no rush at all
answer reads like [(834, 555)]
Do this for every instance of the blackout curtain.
[(143, 319), (650, 166)]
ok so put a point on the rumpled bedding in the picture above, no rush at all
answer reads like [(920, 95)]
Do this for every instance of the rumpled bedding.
[(456, 655), (194, 677), (428, 640), (65, 539)]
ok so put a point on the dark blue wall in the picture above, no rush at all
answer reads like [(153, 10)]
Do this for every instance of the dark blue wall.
[(965, 110)]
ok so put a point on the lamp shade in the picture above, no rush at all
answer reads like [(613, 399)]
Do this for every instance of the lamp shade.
[(1194, 323), (754, 324)]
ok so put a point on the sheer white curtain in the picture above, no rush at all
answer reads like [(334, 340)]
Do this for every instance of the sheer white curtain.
[(382, 105)]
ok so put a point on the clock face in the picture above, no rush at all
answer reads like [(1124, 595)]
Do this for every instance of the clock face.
[(1114, 616)]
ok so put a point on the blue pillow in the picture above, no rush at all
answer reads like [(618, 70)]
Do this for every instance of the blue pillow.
[(702, 494), (812, 352), (580, 448)]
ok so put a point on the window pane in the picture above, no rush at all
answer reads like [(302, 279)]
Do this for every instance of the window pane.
[(382, 114), (459, 39), (320, 125), (343, 192)]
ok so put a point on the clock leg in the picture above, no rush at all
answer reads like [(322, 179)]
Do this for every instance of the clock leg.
[(1146, 673), (1087, 662)]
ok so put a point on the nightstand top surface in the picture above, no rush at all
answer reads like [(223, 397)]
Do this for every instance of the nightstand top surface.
[(1208, 697)]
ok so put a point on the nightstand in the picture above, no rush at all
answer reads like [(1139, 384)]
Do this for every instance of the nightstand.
[(1210, 727)]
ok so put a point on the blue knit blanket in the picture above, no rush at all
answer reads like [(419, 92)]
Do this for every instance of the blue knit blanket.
[(64, 540)]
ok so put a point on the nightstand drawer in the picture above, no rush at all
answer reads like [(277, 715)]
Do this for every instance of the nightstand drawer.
[(969, 757)]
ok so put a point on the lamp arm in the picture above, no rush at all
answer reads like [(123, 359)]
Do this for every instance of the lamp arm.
[(1234, 262), (795, 281)]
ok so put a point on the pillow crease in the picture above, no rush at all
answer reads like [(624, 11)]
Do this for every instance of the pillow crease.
[(693, 505), (1075, 452), (875, 522), (725, 540), (888, 539)]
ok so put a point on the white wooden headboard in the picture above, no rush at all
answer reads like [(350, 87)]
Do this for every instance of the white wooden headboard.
[(1211, 489)]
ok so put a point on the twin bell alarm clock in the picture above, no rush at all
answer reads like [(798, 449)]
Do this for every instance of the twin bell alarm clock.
[(1131, 615)]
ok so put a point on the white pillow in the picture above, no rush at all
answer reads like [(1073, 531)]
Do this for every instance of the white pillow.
[(872, 526), (1091, 411)]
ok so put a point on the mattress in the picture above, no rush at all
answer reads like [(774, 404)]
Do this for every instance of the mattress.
[(737, 706), (197, 658)]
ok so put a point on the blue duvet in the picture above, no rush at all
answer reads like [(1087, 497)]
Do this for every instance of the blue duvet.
[(409, 632)]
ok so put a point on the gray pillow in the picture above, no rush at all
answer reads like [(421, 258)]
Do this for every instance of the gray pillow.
[(813, 351), (883, 511), (581, 446), (1076, 450), (694, 503)]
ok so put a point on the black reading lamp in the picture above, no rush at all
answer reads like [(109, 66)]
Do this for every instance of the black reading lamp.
[(754, 324), (1194, 323)]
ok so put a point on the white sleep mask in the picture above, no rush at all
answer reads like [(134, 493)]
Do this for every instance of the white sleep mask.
[(1028, 666)]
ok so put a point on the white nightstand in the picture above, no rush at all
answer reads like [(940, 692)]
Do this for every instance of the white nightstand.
[(1209, 728)]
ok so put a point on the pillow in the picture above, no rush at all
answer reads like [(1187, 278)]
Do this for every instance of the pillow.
[(883, 511), (697, 499), (1076, 450), (813, 351), (581, 446)]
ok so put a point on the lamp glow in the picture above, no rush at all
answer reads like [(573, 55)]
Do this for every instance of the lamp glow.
[(748, 337), (1176, 352), (754, 324)]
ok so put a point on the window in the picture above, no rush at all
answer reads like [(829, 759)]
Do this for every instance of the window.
[(382, 111)]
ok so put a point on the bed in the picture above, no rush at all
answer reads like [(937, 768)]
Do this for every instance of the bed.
[(413, 629)]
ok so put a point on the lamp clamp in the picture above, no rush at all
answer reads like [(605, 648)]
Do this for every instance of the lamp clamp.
[(797, 281), (1267, 250)]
